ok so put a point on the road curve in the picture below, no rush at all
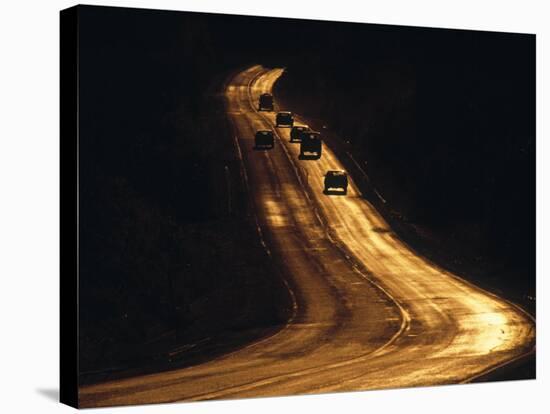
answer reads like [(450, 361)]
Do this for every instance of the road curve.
[(368, 312)]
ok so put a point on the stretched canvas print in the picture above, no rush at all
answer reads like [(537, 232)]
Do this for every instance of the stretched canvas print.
[(257, 206)]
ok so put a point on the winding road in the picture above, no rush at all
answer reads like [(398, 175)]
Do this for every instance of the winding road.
[(369, 313)]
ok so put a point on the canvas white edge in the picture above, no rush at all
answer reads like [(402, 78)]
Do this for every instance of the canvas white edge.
[(29, 222)]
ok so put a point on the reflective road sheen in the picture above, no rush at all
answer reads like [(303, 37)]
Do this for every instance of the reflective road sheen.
[(368, 312)]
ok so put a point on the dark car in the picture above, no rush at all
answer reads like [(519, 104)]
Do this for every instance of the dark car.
[(296, 132), (336, 180), (310, 144), (264, 139), (284, 118), (266, 102)]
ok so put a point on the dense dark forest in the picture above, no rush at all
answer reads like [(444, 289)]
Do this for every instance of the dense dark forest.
[(163, 255), (442, 120)]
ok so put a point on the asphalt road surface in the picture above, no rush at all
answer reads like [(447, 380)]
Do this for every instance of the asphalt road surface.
[(368, 312)]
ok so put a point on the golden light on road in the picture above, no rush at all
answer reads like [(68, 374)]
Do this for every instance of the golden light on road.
[(370, 313)]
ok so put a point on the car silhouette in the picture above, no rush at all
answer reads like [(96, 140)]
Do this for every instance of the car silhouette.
[(266, 102), (284, 118), (296, 132), (336, 180), (310, 145), (264, 139)]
